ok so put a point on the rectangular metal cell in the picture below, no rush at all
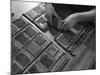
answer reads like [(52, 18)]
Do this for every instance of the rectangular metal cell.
[(22, 38), (54, 51), (15, 47), (65, 39), (37, 44), (64, 61), (23, 58), (62, 41), (35, 12), (41, 22), (61, 63), (14, 29), (33, 69), (15, 68), (30, 31), (41, 40), (47, 61), (33, 48), (20, 23)]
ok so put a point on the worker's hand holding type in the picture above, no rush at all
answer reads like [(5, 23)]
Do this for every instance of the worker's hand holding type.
[(71, 20)]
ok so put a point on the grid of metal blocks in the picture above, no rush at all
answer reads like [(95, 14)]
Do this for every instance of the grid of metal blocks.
[(34, 52)]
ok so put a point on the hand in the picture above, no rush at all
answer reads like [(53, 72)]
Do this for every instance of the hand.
[(69, 22), (49, 12), (51, 15), (73, 19)]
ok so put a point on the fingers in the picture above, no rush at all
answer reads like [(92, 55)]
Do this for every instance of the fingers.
[(51, 15), (62, 26), (69, 22), (65, 25)]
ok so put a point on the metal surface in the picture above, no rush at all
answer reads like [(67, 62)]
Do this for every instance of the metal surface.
[(36, 49)]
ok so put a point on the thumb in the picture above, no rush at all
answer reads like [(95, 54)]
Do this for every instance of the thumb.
[(63, 26)]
